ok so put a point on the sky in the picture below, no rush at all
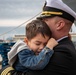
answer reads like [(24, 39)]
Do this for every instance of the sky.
[(15, 12)]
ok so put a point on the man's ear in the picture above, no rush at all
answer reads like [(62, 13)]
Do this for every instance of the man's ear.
[(60, 25), (26, 40)]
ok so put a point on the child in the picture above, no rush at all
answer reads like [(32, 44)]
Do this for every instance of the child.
[(35, 52)]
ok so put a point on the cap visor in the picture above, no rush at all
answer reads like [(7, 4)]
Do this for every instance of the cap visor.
[(41, 17)]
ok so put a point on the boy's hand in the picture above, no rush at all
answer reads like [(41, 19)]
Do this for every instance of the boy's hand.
[(52, 43)]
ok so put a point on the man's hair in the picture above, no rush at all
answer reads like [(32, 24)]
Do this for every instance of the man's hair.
[(35, 27)]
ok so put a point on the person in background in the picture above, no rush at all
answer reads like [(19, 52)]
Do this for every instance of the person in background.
[(35, 52), (59, 17)]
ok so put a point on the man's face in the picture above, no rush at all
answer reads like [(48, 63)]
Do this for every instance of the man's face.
[(37, 43)]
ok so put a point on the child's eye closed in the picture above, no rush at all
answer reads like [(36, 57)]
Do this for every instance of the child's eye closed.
[(37, 43)]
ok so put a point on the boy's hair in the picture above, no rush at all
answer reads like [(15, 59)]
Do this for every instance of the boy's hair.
[(35, 27)]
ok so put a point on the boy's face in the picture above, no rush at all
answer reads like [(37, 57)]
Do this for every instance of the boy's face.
[(37, 43)]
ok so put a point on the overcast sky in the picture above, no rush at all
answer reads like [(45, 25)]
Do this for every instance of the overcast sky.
[(13, 12)]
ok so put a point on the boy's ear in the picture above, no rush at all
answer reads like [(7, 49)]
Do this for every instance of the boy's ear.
[(26, 40)]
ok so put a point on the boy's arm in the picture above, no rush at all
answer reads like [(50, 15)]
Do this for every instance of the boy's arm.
[(35, 62)]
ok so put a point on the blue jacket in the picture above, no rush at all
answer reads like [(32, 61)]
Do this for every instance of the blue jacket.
[(26, 59)]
